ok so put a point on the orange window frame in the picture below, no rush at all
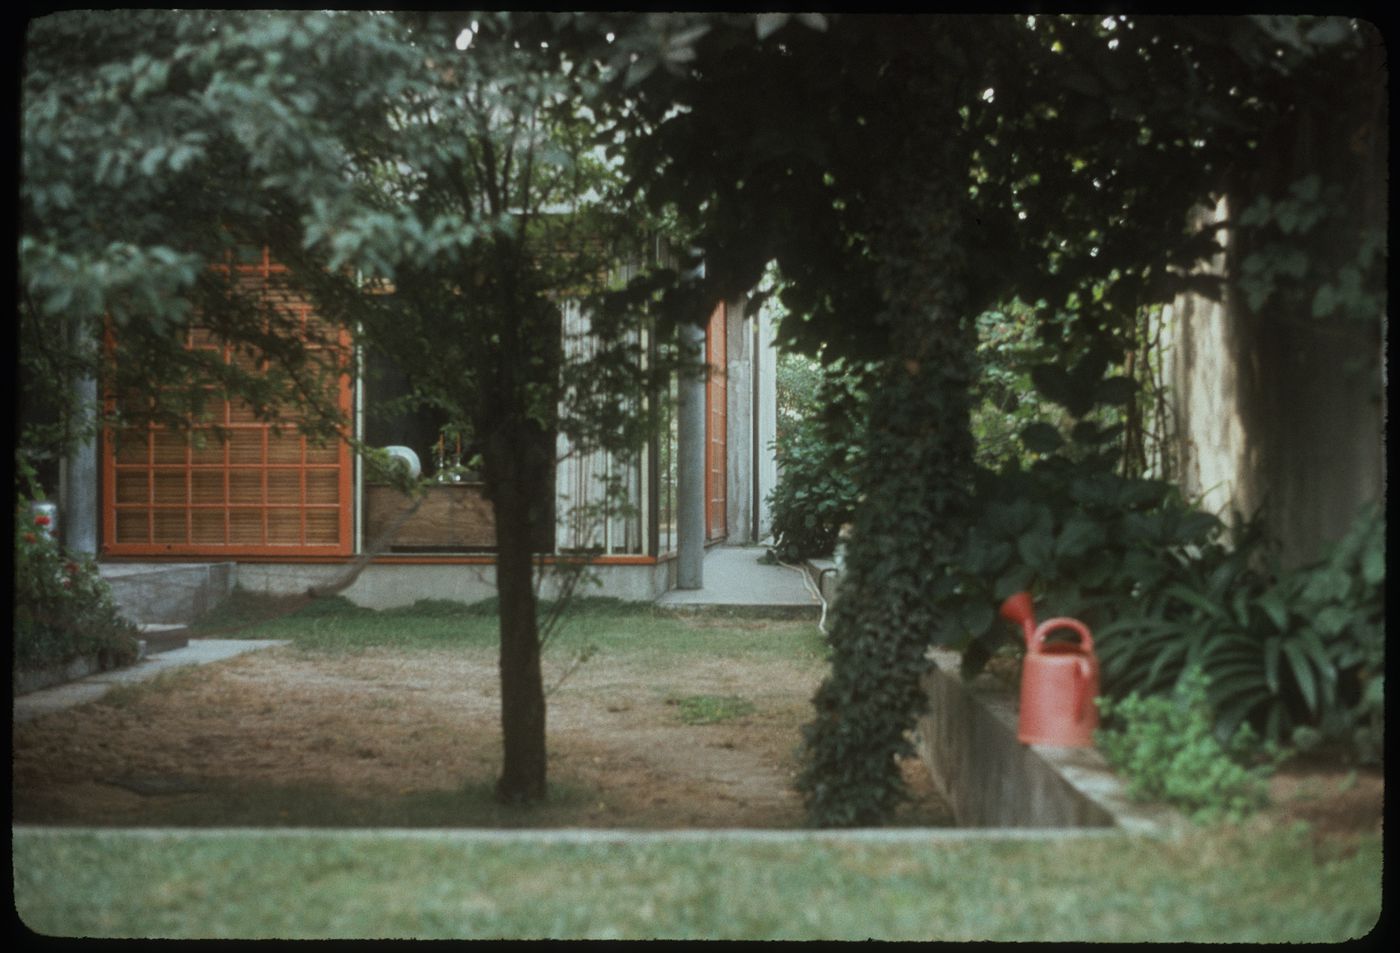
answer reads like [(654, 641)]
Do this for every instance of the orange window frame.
[(253, 494)]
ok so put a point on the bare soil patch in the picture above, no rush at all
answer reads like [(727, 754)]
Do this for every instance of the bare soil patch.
[(412, 738), (1337, 801)]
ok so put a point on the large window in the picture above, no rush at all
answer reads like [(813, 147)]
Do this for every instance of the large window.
[(258, 491)]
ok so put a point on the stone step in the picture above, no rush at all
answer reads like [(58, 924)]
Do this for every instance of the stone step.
[(162, 637)]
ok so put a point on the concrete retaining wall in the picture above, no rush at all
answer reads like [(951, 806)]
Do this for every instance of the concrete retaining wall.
[(391, 586), (171, 593), (968, 741)]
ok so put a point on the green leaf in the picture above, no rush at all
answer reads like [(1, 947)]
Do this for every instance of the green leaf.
[(1373, 566), (1327, 585), (1302, 673), (1195, 599), (1078, 537), (1324, 301), (976, 618), (1036, 550), (1054, 383), (1229, 716), (1041, 438), (1116, 391), (1274, 607), (1271, 656), (1012, 581), (1332, 620), (1195, 527)]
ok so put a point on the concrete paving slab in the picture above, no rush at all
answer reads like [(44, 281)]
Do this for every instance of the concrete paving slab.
[(93, 687), (735, 578)]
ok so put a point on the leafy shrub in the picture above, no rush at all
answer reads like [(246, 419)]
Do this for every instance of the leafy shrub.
[(1167, 750), (1300, 655), (818, 452), (63, 609), (1085, 541)]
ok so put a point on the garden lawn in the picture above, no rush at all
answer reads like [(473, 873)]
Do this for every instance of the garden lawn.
[(1211, 885)]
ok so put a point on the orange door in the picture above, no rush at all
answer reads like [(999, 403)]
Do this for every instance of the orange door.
[(716, 426)]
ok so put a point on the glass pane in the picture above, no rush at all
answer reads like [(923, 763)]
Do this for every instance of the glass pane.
[(245, 486), (322, 527), (284, 486), (169, 526), (284, 448), (284, 526), (169, 447), (133, 486), (322, 486), (170, 486), (245, 527), (245, 446), (133, 526), (207, 486), (207, 526)]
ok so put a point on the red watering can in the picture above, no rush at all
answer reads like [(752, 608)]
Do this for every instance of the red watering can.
[(1059, 680)]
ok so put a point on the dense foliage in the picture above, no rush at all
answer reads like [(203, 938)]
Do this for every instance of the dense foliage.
[(62, 609), (1054, 161), (821, 410), (1166, 748)]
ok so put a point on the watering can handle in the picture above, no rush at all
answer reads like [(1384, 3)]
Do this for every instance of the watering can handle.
[(1085, 669), (1050, 625), (1084, 697)]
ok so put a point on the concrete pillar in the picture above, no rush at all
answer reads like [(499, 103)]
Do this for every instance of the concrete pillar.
[(78, 519), (690, 460)]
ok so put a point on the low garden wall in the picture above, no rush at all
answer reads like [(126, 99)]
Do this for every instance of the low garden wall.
[(967, 739)]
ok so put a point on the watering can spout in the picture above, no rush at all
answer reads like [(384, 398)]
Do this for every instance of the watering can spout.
[(1019, 610)]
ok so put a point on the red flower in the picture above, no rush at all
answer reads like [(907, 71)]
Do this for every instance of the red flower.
[(30, 538), (43, 519)]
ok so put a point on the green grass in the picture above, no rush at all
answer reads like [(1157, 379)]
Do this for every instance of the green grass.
[(1212, 885), (335, 625), (710, 709)]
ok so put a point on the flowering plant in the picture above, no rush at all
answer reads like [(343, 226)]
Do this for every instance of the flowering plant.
[(63, 609)]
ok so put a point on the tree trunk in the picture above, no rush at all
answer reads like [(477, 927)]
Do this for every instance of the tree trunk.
[(522, 686)]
